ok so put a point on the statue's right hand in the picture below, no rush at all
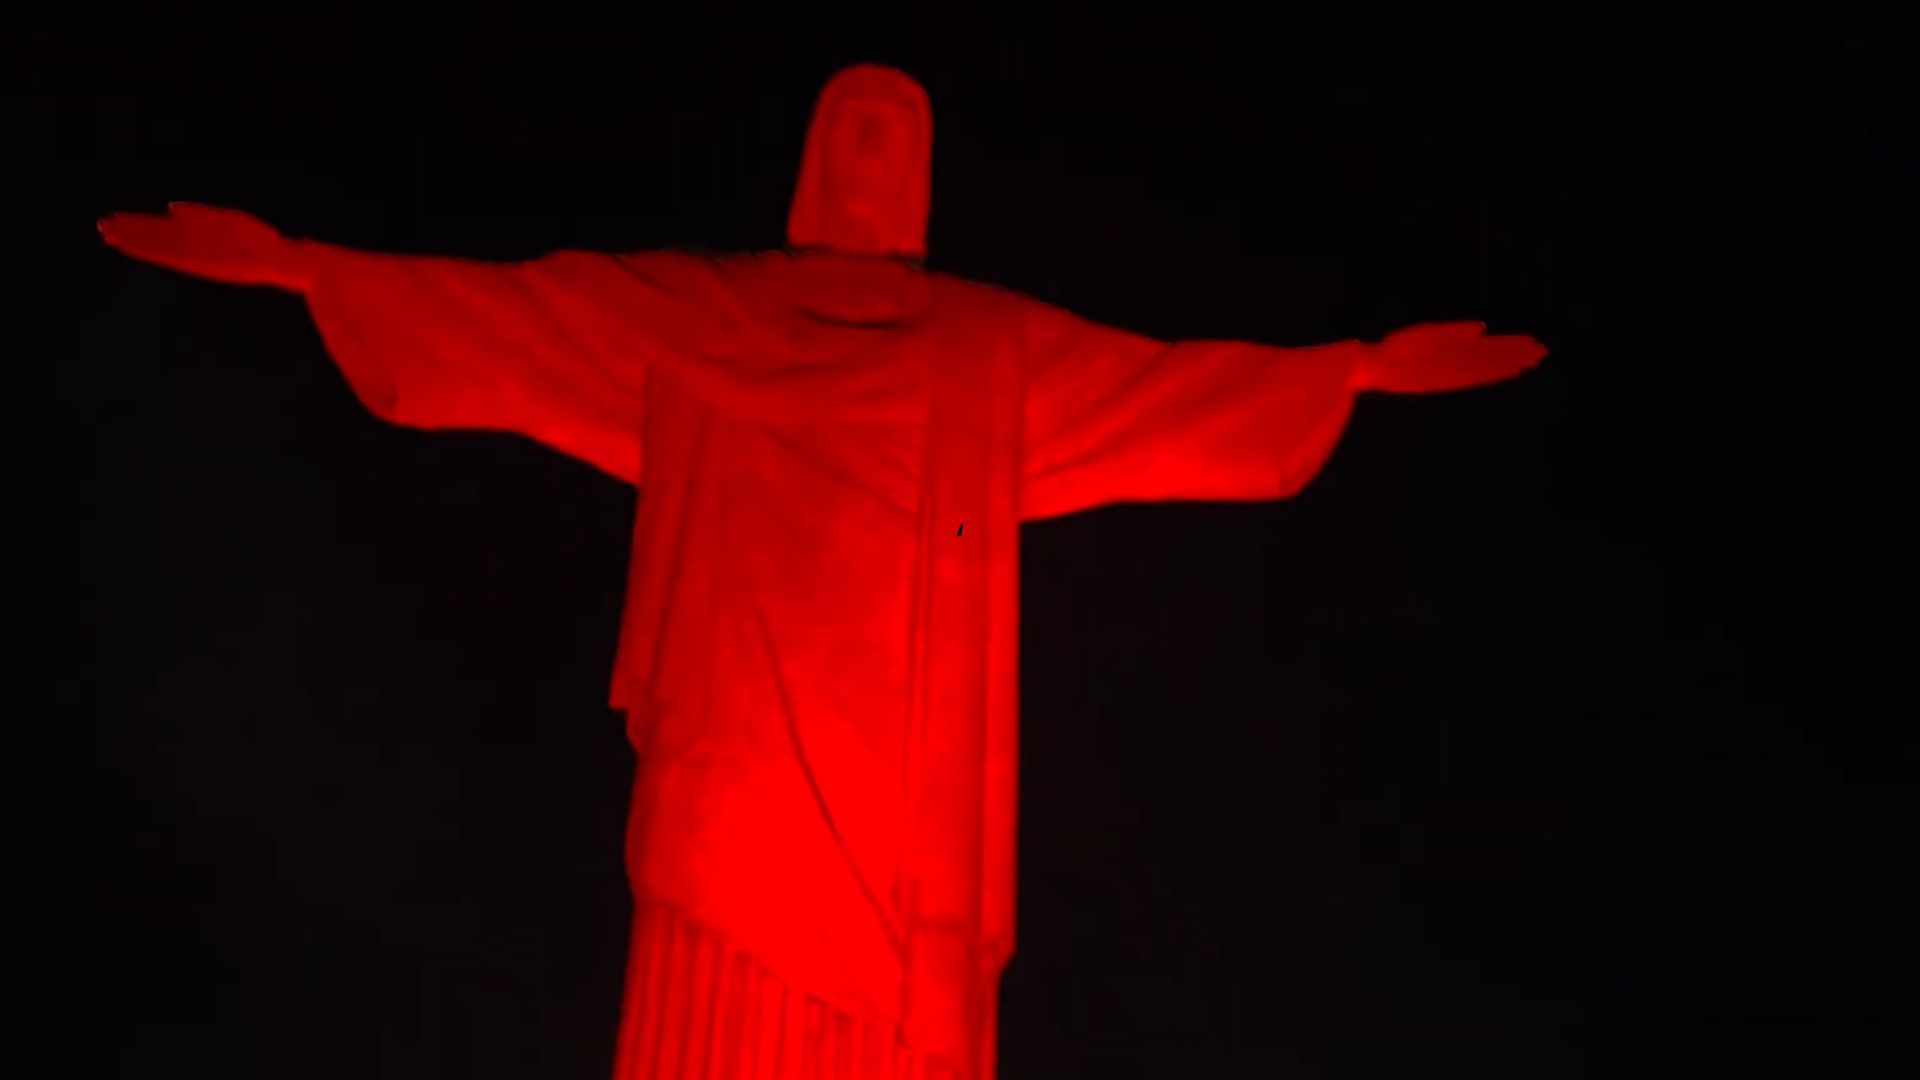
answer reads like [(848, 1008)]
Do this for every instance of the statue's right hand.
[(210, 242)]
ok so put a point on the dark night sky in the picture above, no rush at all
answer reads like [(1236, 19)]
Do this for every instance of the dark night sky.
[(1561, 728)]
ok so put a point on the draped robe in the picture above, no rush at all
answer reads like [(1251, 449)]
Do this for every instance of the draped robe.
[(817, 656)]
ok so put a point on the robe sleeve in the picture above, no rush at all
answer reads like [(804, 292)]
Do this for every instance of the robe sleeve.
[(556, 349), (1116, 417)]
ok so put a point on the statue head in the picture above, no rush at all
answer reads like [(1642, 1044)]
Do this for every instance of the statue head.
[(866, 172)]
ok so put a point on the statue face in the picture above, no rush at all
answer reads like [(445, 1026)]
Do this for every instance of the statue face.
[(870, 151), (863, 186)]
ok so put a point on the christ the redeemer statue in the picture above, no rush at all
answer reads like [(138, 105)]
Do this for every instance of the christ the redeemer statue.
[(835, 448)]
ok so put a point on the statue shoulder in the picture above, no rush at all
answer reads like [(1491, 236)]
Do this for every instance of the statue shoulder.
[(985, 298)]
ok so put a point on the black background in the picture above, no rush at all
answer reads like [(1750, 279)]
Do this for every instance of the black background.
[(1560, 728)]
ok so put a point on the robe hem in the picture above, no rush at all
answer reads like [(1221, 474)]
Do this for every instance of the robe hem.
[(697, 1007)]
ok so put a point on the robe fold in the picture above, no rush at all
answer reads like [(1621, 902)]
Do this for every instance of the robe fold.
[(818, 653)]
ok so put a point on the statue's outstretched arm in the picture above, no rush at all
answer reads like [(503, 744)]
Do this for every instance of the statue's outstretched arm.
[(1113, 416), (558, 348)]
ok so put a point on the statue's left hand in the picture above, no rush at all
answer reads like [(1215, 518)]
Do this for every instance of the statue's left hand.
[(211, 242), (1432, 357)]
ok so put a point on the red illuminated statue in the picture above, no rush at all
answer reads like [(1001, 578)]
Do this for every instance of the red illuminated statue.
[(835, 449)]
